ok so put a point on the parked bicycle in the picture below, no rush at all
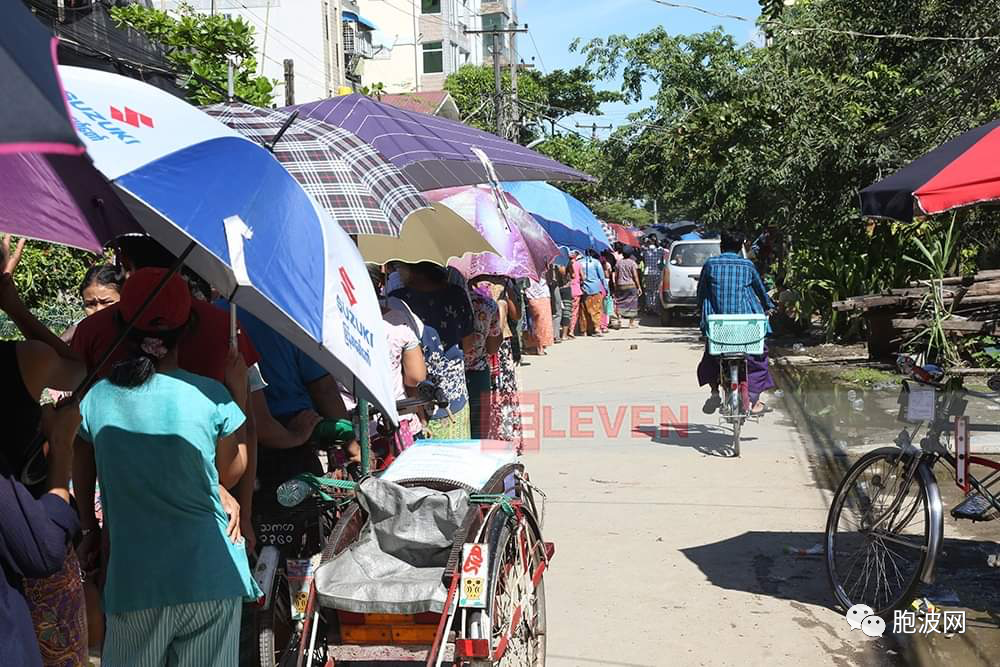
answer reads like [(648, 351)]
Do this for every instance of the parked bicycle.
[(886, 523)]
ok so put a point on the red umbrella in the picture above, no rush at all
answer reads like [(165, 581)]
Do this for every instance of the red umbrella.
[(624, 235), (963, 171)]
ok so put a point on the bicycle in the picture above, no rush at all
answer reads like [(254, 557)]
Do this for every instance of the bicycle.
[(889, 501), (733, 338)]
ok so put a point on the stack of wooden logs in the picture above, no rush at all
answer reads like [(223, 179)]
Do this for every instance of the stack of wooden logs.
[(974, 301)]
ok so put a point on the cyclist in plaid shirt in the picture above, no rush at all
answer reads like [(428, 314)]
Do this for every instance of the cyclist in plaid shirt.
[(730, 285)]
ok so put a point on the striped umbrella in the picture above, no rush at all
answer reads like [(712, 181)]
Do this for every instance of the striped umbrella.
[(363, 192)]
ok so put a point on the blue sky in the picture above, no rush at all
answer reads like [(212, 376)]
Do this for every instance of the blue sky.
[(556, 23)]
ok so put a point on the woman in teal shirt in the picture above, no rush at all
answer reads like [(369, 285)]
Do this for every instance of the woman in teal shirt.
[(164, 440)]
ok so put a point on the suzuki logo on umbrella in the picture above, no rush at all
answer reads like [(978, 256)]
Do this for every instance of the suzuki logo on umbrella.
[(132, 117), (345, 282)]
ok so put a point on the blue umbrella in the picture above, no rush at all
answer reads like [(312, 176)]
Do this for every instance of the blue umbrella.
[(565, 236), (240, 220), (554, 205)]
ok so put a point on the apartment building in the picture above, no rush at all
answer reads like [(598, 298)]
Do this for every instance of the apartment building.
[(420, 42), (328, 41)]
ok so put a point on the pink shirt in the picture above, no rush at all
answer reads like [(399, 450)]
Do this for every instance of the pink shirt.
[(400, 338), (575, 284)]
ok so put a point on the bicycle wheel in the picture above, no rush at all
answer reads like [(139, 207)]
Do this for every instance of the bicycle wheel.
[(876, 547), (517, 622), (274, 626)]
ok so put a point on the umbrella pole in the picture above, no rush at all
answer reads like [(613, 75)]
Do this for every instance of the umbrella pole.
[(364, 436), (92, 375)]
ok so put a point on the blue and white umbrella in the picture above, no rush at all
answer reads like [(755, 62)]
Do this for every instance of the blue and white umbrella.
[(260, 239)]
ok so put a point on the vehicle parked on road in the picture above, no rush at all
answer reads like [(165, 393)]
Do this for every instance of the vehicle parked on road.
[(679, 285)]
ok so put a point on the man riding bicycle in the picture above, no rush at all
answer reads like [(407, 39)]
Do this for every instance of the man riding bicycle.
[(730, 285)]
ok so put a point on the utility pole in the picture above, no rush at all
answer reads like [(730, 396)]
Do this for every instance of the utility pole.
[(515, 110), (289, 82), (594, 127), (497, 84), (496, 35)]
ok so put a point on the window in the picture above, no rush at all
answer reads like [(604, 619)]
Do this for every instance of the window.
[(693, 254), (430, 6), (433, 58), (497, 21)]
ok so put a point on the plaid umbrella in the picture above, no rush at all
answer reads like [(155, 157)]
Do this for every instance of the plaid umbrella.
[(609, 230), (363, 192)]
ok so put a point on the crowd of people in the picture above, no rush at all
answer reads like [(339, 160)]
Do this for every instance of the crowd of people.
[(135, 493), (132, 499)]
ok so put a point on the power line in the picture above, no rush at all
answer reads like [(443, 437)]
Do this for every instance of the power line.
[(833, 31), (538, 51)]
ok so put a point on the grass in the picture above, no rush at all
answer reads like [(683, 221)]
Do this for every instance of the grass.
[(866, 376)]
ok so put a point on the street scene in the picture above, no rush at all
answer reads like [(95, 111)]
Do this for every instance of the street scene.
[(346, 333)]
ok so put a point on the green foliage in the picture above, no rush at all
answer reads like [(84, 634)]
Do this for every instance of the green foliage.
[(376, 90), (199, 45), (622, 212), (866, 377), (543, 99), (49, 274), (473, 89), (938, 257), (786, 135)]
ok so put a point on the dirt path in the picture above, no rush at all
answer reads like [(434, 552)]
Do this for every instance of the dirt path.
[(668, 552)]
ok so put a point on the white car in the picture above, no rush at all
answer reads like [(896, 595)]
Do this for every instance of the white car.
[(679, 284)]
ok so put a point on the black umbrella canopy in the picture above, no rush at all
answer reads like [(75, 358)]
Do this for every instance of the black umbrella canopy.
[(34, 117)]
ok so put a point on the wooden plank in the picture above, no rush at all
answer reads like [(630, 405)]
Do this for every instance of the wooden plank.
[(990, 274), (956, 326)]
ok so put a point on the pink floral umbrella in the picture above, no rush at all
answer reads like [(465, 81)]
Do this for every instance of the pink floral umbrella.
[(525, 248)]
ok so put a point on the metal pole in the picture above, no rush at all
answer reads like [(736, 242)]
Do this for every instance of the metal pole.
[(498, 83), (289, 82), (416, 49), (656, 213), (230, 84), (364, 436), (515, 111), (213, 8)]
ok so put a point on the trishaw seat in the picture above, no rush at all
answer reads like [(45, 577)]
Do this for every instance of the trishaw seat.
[(468, 463)]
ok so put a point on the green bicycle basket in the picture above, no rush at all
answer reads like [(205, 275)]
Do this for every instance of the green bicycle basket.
[(736, 334)]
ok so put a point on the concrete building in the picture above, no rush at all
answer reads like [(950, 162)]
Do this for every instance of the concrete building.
[(420, 42), (327, 40)]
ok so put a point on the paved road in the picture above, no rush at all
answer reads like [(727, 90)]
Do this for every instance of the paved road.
[(667, 552)]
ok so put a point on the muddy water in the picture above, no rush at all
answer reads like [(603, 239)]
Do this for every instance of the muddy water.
[(841, 423)]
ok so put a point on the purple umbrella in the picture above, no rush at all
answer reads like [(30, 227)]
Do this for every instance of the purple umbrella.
[(435, 152), (525, 249), (60, 199)]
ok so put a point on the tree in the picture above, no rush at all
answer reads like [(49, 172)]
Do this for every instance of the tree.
[(473, 89), (543, 100), (787, 134), (200, 47)]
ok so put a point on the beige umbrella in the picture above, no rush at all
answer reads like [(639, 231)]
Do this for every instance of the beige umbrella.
[(434, 234)]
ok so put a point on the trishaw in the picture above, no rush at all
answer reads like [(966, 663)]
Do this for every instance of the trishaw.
[(438, 559)]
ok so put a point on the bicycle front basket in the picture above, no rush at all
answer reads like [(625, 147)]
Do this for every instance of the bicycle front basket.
[(735, 334)]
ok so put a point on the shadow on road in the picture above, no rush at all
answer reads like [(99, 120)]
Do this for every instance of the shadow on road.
[(775, 568), (703, 438)]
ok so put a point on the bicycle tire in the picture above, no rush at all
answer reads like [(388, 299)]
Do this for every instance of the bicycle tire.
[(737, 429), (506, 548), (845, 593), (274, 626)]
